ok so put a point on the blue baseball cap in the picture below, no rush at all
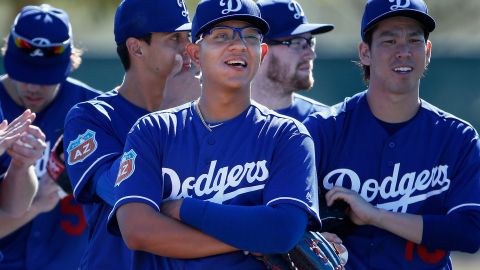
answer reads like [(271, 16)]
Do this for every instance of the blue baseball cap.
[(136, 18), (39, 46), (286, 18), (377, 10), (211, 12)]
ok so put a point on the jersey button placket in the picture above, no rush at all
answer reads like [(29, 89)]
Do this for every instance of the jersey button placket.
[(211, 140), (391, 145), (388, 159), (209, 146)]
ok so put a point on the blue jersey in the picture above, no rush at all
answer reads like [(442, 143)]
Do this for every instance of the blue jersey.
[(255, 158), (95, 133), (302, 107), (53, 240), (1, 113), (428, 167)]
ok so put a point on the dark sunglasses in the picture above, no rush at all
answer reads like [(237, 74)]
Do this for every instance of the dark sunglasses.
[(47, 48)]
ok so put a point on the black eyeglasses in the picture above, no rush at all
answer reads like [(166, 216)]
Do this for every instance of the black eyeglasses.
[(46, 48), (296, 43), (225, 34)]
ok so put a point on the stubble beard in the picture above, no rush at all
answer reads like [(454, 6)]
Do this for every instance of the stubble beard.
[(279, 73)]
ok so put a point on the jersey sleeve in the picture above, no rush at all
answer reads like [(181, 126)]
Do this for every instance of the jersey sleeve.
[(311, 124), (293, 173), (316, 126), (139, 177), (89, 149), (465, 178), (324, 134), (462, 201)]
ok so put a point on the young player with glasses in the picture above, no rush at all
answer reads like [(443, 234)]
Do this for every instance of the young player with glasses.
[(202, 183), (251, 36)]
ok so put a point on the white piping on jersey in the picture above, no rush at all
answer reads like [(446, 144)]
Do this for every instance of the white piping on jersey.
[(87, 170), (462, 205), (99, 106), (212, 126), (132, 197), (299, 201)]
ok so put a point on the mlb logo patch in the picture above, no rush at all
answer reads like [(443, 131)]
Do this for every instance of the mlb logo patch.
[(82, 147), (127, 166)]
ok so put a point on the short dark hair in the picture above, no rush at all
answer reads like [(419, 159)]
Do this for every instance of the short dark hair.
[(368, 37), (366, 69), (122, 51)]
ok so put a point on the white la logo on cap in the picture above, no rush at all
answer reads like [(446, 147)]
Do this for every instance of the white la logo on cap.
[(294, 6), (37, 52), (230, 6), (399, 5), (182, 5), (41, 42)]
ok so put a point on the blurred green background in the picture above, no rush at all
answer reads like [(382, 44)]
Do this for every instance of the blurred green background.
[(451, 82)]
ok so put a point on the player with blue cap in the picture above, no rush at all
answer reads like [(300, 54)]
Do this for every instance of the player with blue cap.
[(202, 185), (151, 36), (408, 171), (33, 43), (287, 68), (39, 58)]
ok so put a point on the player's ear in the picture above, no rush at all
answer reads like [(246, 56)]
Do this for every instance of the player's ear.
[(364, 53), (134, 47), (264, 48), (428, 51), (193, 51)]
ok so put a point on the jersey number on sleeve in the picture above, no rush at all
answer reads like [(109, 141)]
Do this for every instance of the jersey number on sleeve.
[(422, 251)]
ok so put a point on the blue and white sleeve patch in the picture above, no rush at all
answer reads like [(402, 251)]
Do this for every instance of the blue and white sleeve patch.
[(127, 167), (82, 147)]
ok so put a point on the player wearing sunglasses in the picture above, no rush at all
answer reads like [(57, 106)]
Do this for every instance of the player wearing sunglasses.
[(39, 46), (288, 66), (38, 58)]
